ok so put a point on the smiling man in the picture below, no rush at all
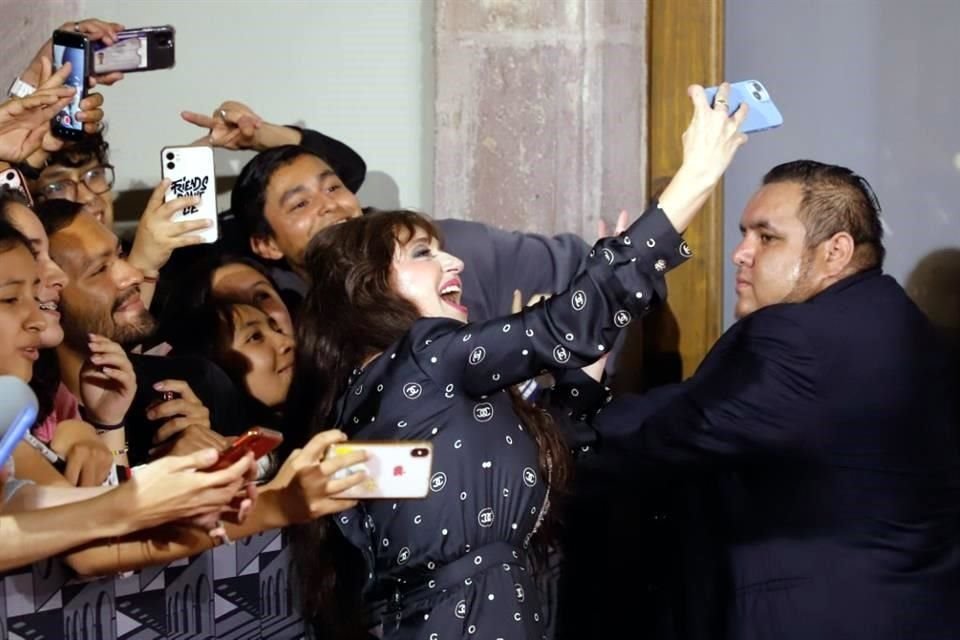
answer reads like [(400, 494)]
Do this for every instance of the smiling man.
[(826, 421), (103, 298)]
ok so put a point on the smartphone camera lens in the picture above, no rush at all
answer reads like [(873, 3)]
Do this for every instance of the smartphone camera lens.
[(166, 42), (169, 155), (10, 176), (758, 95), (757, 86), (170, 166), (419, 452)]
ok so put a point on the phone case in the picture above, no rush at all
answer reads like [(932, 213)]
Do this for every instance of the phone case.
[(18, 411), (191, 173), (259, 441), (12, 179), (763, 112), (72, 47), (143, 49), (395, 469)]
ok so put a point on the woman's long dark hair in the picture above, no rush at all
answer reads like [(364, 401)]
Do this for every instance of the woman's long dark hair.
[(351, 313)]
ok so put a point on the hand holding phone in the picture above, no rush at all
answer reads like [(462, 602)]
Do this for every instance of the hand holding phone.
[(140, 49), (258, 440), (394, 469), (763, 112), (190, 171), (72, 47)]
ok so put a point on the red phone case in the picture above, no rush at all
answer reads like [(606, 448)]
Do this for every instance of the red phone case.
[(258, 440)]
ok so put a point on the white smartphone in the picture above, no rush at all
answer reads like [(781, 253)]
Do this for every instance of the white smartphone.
[(191, 173), (395, 469)]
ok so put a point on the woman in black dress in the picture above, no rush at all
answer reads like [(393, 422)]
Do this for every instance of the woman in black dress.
[(386, 353)]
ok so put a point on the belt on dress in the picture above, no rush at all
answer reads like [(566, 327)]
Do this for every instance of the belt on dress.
[(398, 598)]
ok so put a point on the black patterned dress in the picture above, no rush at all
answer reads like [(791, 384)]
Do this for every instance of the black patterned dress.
[(452, 565)]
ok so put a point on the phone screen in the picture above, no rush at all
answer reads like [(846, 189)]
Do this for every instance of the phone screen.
[(128, 53), (67, 118)]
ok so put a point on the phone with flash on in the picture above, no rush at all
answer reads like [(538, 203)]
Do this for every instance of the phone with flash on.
[(394, 469)]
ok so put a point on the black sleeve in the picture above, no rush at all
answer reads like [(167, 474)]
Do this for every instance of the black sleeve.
[(756, 396), (622, 279), (572, 402), (208, 381), (348, 164)]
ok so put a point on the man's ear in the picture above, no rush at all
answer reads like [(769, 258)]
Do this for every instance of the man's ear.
[(838, 252), (265, 247)]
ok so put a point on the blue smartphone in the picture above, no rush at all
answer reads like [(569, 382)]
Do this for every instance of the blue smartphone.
[(763, 112), (18, 412)]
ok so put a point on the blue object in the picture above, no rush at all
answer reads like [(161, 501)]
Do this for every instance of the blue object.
[(18, 412), (763, 112)]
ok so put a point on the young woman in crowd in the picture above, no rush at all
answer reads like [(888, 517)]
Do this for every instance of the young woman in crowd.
[(107, 385), (386, 353), (232, 314)]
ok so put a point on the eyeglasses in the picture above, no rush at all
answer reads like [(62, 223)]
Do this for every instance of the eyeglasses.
[(97, 180)]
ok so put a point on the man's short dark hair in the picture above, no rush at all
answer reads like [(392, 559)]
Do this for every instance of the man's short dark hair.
[(57, 214), (76, 154), (836, 199)]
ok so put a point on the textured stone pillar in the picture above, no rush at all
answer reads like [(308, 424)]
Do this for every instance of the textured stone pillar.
[(24, 26), (540, 112)]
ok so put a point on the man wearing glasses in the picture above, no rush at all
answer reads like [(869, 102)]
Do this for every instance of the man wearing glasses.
[(79, 172)]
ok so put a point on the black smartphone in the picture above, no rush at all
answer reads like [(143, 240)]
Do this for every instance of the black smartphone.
[(141, 49), (72, 47)]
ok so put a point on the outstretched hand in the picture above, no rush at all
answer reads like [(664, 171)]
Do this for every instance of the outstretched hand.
[(713, 136), (180, 488), (233, 125), (709, 144), (306, 479)]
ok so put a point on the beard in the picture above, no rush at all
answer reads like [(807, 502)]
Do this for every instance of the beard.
[(78, 325)]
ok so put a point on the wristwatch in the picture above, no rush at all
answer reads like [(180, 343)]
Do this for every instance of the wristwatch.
[(21, 89)]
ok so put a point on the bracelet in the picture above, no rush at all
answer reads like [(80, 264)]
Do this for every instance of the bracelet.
[(99, 426), (21, 89), (104, 428)]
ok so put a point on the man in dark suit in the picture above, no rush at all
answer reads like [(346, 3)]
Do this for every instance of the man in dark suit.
[(827, 422)]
